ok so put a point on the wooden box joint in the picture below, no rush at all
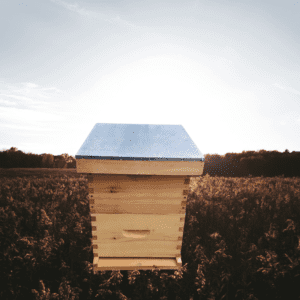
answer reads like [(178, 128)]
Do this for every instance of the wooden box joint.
[(90, 178), (187, 180)]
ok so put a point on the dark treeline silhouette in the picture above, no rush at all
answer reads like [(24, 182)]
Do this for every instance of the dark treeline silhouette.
[(14, 158), (261, 163)]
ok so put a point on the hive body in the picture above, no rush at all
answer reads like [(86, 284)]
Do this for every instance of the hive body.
[(137, 202)]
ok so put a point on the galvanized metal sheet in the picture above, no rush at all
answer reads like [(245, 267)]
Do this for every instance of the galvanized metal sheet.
[(139, 142)]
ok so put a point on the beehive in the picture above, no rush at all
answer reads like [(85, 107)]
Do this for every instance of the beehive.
[(138, 180)]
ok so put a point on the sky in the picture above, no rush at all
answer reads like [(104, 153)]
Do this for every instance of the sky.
[(228, 71)]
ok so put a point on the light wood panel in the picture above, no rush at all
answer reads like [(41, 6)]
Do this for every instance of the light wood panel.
[(101, 264), (139, 248), (157, 207), (165, 225), (139, 167), (113, 184), (136, 218), (123, 194), (137, 235), (112, 177), (115, 192)]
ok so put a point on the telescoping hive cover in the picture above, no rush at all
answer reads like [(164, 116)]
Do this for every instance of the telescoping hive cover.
[(139, 142)]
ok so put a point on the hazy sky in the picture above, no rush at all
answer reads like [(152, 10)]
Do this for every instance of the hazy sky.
[(227, 70)]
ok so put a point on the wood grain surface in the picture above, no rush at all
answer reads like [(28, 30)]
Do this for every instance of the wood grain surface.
[(193, 168), (137, 235)]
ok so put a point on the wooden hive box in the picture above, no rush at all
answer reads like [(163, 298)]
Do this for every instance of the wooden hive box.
[(138, 179)]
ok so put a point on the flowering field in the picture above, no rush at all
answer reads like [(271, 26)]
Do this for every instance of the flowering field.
[(241, 241)]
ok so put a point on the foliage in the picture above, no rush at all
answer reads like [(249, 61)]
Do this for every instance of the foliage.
[(241, 241), (260, 163), (246, 233), (14, 158)]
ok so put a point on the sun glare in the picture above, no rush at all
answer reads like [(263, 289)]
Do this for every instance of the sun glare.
[(153, 79)]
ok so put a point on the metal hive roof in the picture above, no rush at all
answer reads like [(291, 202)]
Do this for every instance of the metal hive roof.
[(139, 142)]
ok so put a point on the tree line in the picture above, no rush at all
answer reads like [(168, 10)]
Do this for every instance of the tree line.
[(14, 158), (254, 163)]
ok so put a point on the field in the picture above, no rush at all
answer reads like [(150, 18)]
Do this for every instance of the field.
[(37, 172), (241, 241)]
